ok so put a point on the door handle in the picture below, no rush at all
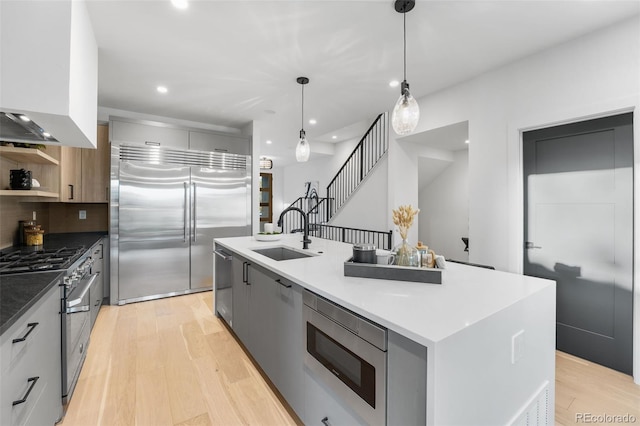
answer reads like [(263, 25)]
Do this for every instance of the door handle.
[(186, 207), (325, 421), (193, 213), (530, 245)]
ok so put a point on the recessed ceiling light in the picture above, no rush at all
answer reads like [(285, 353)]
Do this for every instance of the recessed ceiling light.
[(312, 121), (334, 137), (162, 89), (25, 118), (46, 135), (180, 4), (269, 142), (394, 83), (467, 141)]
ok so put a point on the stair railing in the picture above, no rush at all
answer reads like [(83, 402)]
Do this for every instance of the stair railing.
[(371, 148)]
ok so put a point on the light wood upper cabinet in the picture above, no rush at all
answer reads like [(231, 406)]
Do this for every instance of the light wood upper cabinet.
[(95, 169), (70, 174), (84, 173)]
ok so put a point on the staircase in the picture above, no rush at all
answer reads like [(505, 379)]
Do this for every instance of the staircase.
[(371, 148)]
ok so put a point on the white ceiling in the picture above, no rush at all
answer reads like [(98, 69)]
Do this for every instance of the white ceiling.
[(231, 62)]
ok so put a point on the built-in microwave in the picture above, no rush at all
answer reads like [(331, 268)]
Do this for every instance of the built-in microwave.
[(349, 354)]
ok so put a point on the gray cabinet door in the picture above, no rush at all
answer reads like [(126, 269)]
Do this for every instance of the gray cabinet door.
[(151, 135), (261, 344), (288, 342), (240, 300), (219, 142)]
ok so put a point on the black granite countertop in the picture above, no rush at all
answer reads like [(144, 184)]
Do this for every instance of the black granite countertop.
[(20, 292), (58, 241)]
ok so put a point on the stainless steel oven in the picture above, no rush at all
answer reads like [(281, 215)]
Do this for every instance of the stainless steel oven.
[(349, 354), (76, 323)]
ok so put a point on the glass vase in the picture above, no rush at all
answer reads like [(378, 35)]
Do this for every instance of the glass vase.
[(406, 255)]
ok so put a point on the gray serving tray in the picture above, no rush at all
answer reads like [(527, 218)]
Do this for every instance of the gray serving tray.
[(392, 272)]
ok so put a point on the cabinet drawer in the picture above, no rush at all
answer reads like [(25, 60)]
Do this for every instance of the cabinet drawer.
[(145, 134), (30, 331), (219, 142), (30, 391)]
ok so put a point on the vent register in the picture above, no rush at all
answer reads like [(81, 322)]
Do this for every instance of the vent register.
[(157, 155)]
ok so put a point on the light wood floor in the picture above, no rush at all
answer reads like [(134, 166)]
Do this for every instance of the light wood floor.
[(171, 362)]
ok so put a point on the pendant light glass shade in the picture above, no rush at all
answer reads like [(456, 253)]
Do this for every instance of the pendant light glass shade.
[(302, 149), (406, 113)]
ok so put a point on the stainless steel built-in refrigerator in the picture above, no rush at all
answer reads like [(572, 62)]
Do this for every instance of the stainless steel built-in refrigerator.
[(167, 207)]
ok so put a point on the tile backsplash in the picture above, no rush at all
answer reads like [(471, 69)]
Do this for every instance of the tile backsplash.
[(53, 217)]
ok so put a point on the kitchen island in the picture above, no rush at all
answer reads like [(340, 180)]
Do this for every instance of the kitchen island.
[(488, 337)]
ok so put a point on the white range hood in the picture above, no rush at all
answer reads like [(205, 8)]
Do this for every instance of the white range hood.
[(49, 68)]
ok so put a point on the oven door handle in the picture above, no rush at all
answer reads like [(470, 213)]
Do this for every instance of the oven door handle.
[(82, 291)]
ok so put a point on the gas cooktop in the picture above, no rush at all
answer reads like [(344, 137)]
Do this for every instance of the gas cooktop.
[(20, 261)]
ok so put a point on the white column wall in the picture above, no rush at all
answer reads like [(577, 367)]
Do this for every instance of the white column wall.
[(444, 209)]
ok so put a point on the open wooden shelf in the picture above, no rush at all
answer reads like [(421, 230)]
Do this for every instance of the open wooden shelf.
[(27, 155), (28, 193)]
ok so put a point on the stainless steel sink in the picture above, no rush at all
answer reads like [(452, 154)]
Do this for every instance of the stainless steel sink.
[(282, 253)]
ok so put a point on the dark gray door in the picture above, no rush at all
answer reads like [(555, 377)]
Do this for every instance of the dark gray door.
[(578, 231)]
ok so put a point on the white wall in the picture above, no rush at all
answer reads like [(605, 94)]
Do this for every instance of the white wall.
[(367, 208), (321, 169), (444, 209), (593, 76)]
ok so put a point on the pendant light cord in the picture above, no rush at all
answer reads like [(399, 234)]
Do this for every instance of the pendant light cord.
[(302, 116), (404, 42)]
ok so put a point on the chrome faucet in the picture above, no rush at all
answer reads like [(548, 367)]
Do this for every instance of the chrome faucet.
[(305, 239)]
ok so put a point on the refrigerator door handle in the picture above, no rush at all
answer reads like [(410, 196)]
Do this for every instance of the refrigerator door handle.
[(186, 207), (193, 213)]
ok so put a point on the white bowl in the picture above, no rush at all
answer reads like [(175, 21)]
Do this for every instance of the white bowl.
[(267, 237)]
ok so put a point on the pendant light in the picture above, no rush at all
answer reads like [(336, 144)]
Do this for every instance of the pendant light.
[(302, 149), (406, 113)]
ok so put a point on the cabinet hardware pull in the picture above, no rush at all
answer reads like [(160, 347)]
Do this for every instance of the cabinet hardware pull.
[(325, 421), (33, 381), (224, 256), (106, 193), (245, 273), (283, 284), (71, 192), (152, 143), (30, 326), (220, 150)]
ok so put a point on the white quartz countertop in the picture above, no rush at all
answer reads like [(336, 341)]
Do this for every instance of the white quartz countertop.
[(425, 313)]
